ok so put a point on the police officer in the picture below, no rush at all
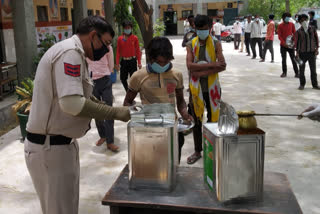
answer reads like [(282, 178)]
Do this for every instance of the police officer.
[(61, 112)]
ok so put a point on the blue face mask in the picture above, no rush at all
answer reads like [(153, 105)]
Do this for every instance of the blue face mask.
[(127, 31), (203, 34), (158, 68), (287, 19)]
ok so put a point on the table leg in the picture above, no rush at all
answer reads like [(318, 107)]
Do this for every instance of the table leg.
[(114, 210)]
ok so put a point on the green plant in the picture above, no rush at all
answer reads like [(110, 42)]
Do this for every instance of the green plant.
[(159, 28), (44, 45), (24, 101)]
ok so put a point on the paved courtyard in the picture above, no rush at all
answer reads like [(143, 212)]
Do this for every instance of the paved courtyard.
[(292, 146)]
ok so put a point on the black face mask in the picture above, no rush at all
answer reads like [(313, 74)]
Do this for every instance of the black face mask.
[(99, 53)]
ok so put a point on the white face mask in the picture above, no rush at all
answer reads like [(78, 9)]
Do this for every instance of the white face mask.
[(305, 24)]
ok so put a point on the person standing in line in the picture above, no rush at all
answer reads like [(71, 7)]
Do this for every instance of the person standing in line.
[(256, 36), (61, 112), (190, 33), (285, 29), (102, 90), (313, 22), (247, 35), (268, 42), (296, 24), (237, 31), (307, 48), (242, 39), (217, 27), (128, 50), (204, 82)]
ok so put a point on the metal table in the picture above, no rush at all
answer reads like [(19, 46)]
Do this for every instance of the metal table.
[(191, 196)]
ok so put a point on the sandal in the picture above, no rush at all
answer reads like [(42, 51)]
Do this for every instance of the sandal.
[(193, 158), (100, 141)]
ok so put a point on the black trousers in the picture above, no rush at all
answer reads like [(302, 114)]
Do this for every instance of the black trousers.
[(268, 45), (197, 129), (102, 90), (180, 142), (284, 51), (127, 67), (254, 41), (309, 57), (247, 42), (237, 39)]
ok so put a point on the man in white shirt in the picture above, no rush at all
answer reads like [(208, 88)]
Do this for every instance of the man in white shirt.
[(256, 36), (217, 27), (247, 35), (237, 30)]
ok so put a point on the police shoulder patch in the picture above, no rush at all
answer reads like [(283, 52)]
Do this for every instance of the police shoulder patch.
[(72, 70)]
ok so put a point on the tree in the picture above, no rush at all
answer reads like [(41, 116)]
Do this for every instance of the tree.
[(143, 15), (287, 5), (121, 13)]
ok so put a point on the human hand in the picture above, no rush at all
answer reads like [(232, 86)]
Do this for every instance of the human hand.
[(317, 52), (312, 112), (139, 66), (117, 67), (187, 117)]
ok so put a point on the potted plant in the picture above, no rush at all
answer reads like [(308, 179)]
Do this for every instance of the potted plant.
[(23, 105)]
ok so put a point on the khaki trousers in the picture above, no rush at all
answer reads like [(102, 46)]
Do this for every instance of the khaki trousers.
[(55, 175)]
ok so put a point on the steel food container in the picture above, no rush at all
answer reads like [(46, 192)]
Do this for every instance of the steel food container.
[(234, 164), (152, 147)]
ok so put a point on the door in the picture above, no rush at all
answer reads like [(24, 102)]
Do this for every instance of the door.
[(170, 21), (229, 14)]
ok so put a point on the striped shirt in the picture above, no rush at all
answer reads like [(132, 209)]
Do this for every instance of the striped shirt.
[(306, 41)]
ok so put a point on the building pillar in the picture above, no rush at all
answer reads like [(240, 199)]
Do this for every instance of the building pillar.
[(155, 6), (108, 10), (80, 11), (24, 37), (199, 7)]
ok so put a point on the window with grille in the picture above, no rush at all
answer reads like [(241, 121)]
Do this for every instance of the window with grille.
[(42, 13), (64, 14)]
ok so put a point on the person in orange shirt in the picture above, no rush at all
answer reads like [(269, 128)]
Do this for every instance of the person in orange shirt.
[(268, 42), (128, 50)]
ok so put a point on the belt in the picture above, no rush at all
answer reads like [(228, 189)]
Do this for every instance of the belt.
[(54, 139), (128, 58)]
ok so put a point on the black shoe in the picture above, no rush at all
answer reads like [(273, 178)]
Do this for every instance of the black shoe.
[(253, 57), (272, 61), (262, 60), (296, 76), (301, 87), (283, 75), (248, 55), (316, 88)]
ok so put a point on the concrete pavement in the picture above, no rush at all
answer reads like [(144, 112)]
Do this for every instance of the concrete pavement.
[(292, 146)]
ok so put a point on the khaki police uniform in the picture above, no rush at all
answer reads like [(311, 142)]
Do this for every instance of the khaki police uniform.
[(54, 169)]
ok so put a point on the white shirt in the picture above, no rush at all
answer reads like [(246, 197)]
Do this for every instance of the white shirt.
[(217, 28), (247, 27), (256, 29), (297, 26), (237, 28)]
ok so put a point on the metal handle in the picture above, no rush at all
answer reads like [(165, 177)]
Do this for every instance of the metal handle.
[(284, 115), (154, 121)]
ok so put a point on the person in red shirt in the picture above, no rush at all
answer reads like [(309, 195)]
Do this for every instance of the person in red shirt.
[(268, 42), (286, 29), (128, 50)]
